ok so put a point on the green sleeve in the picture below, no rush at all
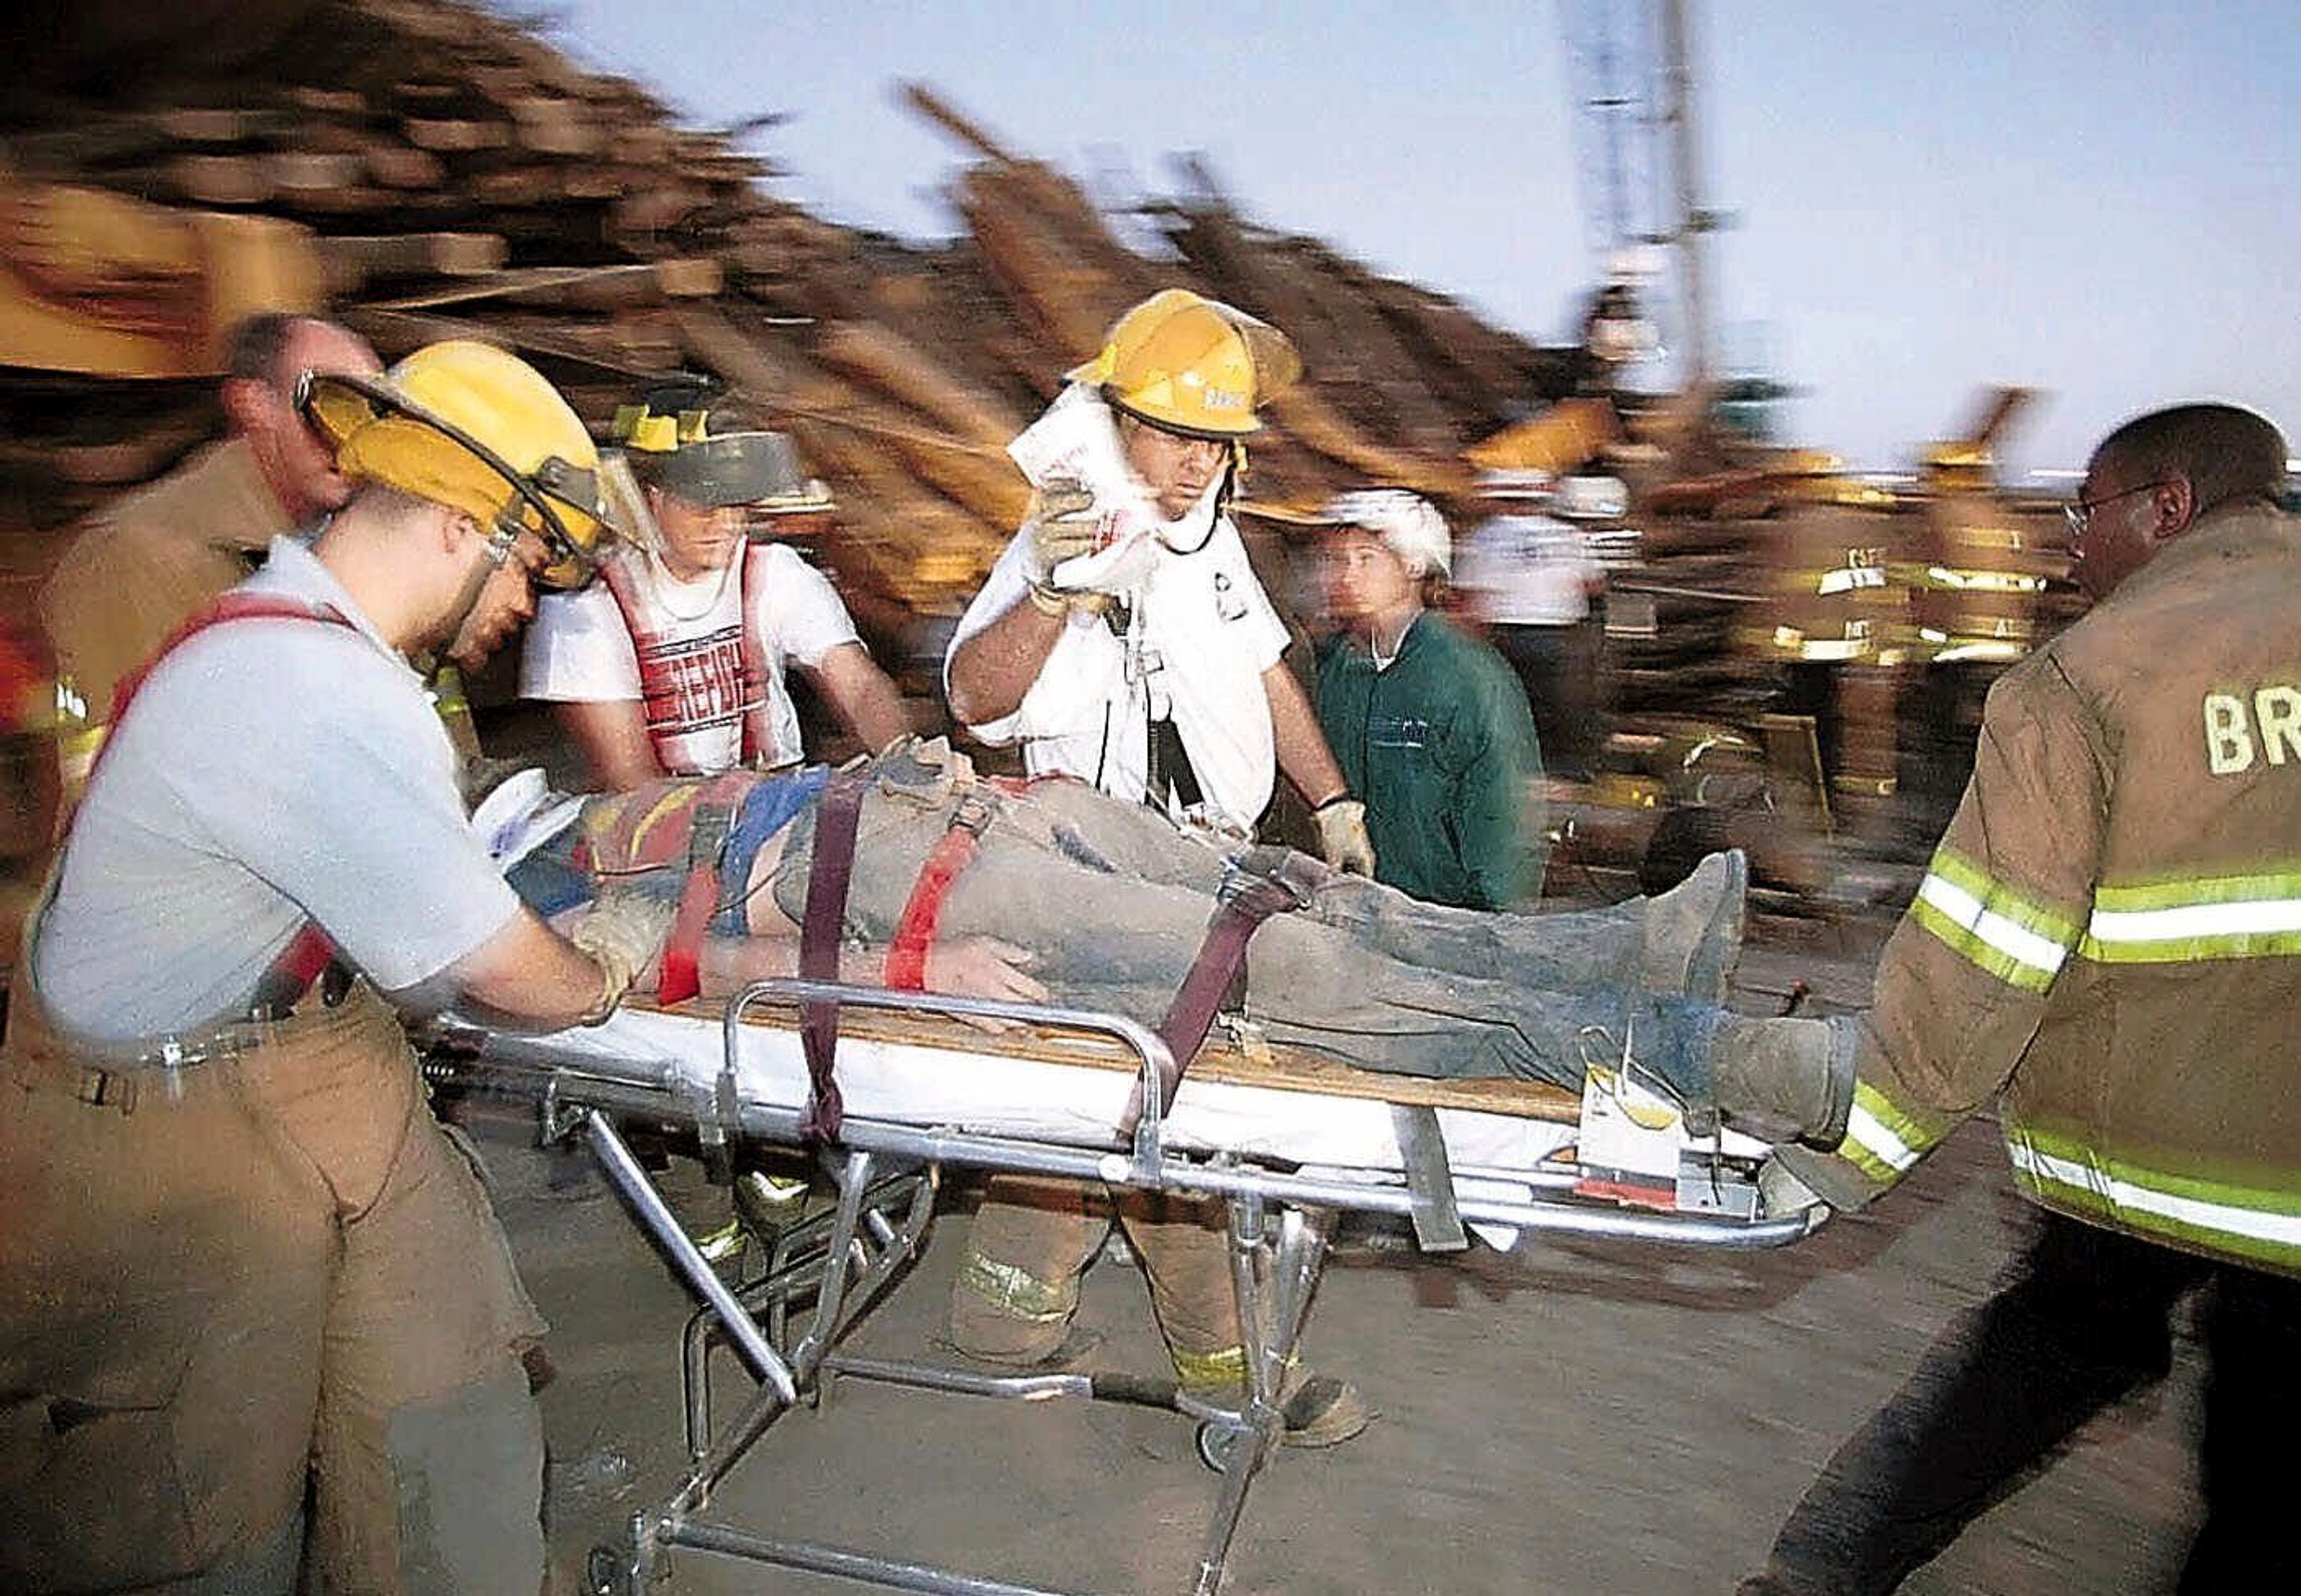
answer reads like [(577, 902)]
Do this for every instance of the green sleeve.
[(1498, 803)]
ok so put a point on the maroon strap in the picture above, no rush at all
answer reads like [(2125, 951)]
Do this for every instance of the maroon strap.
[(820, 928), (1214, 976)]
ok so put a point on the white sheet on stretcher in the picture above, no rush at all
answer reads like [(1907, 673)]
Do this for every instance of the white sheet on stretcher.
[(1077, 1105)]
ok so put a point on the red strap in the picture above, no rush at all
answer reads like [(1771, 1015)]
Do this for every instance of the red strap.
[(915, 933), (714, 811), (310, 950), (759, 716), (234, 605)]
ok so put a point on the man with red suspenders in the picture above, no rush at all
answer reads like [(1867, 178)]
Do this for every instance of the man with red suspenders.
[(250, 1281), (674, 663)]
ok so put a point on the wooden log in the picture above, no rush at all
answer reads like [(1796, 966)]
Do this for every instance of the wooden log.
[(352, 262), (227, 180), (211, 125), (327, 102), (556, 126), (896, 366), (403, 166), (452, 136), (297, 174)]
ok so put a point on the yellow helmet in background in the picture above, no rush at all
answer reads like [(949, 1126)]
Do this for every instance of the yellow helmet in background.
[(1191, 364), (467, 425)]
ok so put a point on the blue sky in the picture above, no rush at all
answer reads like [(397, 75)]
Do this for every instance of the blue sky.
[(2101, 200)]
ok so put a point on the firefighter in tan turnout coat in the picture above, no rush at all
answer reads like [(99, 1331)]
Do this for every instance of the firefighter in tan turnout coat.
[(2110, 936)]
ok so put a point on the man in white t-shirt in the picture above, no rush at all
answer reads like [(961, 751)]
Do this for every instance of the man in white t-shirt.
[(674, 663), (1123, 638), (1529, 580), (257, 1303)]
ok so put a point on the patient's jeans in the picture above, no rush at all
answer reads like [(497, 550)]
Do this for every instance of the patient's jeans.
[(1114, 901)]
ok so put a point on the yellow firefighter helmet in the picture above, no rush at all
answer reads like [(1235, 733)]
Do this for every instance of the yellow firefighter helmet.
[(467, 425), (1191, 364)]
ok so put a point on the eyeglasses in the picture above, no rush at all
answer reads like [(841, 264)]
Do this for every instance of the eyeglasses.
[(2081, 513)]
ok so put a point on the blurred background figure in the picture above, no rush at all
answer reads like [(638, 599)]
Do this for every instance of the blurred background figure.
[(1427, 722), (1529, 580), (153, 559), (674, 663)]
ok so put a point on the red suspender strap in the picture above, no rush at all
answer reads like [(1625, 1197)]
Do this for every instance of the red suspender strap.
[(652, 689), (820, 928), (946, 862), (309, 951), (706, 837), (759, 715)]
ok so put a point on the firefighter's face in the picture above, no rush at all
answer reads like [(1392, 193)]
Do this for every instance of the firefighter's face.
[(1175, 467), (506, 603), (298, 463), (697, 538), (2119, 526)]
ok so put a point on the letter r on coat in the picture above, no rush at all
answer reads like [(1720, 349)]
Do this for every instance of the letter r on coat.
[(2277, 712)]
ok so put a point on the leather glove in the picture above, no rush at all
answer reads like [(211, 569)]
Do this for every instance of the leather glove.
[(1780, 1193), (623, 935), (1342, 840), (1064, 526)]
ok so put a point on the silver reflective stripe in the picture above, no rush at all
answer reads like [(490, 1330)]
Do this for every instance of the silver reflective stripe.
[(1870, 1133), (2015, 942), (2282, 1230), (2196, 921)]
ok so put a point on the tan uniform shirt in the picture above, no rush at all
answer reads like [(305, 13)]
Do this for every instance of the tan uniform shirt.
[(2111, 929), (152, 560)]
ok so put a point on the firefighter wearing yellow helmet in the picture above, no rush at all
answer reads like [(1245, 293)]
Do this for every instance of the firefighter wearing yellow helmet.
[(1123, 639), (239, 1246)]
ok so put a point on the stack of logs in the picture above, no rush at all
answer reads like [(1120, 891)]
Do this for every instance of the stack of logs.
[(463, 177)]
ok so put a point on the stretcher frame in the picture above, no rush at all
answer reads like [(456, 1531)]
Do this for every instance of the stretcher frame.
[(886, 1174)]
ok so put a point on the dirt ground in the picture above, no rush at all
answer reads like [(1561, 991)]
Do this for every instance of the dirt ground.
[(1568, 1416)]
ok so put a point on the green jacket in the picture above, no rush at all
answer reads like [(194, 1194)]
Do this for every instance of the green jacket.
[(1441, 749)]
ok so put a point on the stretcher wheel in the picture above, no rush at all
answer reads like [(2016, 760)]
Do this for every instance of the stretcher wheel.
[(1219, 1443), (606, 1572)]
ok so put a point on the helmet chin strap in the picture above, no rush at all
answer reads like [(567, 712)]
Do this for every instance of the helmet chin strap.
[(497, 549)]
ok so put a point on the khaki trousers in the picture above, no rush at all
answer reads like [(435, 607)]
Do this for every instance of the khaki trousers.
[(1038, 1236), (281, 1277)]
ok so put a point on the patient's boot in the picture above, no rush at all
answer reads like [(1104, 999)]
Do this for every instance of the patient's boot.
[(1781, 1079), (1694, 931)]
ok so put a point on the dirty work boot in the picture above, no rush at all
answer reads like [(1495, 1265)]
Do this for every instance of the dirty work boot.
[(1315, 1409), (1694, 931), (1782, 1079)]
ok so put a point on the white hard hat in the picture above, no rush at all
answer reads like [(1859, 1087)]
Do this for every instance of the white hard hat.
[(1406, 523)]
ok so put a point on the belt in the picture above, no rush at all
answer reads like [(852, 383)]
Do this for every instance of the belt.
[(116, 1074)]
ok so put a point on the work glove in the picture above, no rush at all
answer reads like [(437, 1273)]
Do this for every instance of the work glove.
[(1780, 1193), (1064, 526), (623, 935), (1342, 840), (1083, 553)]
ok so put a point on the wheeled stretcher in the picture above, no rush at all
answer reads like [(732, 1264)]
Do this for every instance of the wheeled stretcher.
[(1286, 1142)]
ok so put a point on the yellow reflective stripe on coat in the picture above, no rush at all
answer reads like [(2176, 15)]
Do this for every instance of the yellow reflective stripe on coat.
[(1992, 926), (1881, 1141), (2243, 916), (2253, 1224)]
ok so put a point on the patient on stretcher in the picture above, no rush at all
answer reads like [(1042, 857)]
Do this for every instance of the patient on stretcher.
[(1061, 893)]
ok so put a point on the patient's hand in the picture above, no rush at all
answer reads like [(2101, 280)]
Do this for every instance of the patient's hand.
[(982, 967)]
